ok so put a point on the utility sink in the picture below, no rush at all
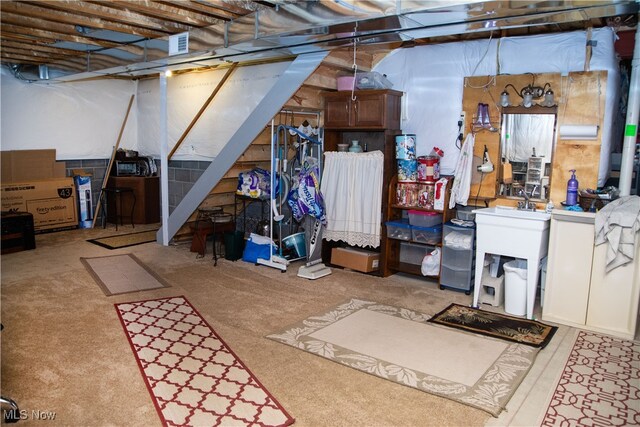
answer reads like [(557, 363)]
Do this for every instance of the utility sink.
[(511, 212), (504, 230)]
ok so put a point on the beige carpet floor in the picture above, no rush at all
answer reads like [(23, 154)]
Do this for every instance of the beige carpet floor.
[(63, 349)]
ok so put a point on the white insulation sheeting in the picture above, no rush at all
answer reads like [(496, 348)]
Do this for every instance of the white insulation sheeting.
[(80, 120), (432, 78), (187, 93)]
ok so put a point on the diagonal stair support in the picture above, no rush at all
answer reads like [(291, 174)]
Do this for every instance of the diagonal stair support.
[(286, 86)]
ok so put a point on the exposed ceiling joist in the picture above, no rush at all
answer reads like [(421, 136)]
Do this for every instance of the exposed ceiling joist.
[(88, 15), (136, 33)]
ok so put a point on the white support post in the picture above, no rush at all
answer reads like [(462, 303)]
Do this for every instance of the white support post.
[(162, 236), (631, 123)]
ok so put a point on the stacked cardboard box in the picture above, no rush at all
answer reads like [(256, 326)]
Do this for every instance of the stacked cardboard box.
[(32, 181)]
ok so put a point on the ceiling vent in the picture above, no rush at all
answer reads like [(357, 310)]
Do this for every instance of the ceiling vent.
[(178, 44)]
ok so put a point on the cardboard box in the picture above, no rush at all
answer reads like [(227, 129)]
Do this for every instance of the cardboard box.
[(30, 165), (51, 202), (356, 259)]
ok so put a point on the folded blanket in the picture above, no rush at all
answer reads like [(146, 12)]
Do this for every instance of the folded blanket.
[(617, 224)]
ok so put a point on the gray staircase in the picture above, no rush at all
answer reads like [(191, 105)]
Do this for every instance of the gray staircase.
[(285, 87)]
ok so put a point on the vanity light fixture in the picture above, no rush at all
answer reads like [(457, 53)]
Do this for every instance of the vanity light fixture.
[(528, 94)]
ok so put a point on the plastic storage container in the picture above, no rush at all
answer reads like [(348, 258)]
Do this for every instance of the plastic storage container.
[(429, 235), (400, 230), (372, 80), (465, 215), (515, 287), (424, 219), (457, 279), (457, 259), (413, 254), (346, 82)]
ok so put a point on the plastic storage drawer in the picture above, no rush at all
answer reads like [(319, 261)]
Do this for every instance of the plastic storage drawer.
[(400, 230), (459, 279), (412, 253), (424, 219), (429, 235), (457, 259)]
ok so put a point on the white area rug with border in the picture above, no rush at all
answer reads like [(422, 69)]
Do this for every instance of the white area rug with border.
[(399, 345)]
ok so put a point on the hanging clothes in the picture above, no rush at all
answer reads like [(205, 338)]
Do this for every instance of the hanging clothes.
[(462, 182), (352, 189)]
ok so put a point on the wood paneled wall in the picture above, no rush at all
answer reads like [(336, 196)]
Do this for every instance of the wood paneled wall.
[(581, 101)]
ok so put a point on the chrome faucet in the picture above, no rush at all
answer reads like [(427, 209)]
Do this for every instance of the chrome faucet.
[(527, 204)]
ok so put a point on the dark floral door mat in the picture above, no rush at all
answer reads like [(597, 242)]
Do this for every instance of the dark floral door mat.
[(509, 328)]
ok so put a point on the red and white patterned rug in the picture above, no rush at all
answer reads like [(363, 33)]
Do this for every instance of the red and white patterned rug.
[(193, 376), (600, 384)]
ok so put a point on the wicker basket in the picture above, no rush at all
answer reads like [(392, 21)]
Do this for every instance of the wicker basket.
[(587, 200)]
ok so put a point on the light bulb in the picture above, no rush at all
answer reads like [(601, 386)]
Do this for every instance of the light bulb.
[(548, 101), (168, 73), (504, 99), (527, 100)]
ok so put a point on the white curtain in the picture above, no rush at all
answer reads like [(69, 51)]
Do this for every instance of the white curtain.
[(352, 190)]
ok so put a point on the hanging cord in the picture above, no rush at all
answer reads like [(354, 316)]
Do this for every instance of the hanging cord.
[(354, 66), (492, 78)]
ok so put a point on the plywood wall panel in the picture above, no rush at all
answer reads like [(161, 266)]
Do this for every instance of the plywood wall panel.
[(581, 99)]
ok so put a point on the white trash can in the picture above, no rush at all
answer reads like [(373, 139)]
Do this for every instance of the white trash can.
[(515, 287)]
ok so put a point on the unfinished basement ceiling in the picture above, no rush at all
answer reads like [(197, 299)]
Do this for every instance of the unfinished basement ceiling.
[(74, 39)]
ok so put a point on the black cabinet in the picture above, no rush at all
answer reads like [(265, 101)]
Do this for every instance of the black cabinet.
[(17, 232)]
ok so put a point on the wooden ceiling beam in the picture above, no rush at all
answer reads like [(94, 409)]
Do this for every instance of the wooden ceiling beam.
[(58, 36), (223, 7), (101, 62), (83, 14), (27, 23), (164, 11), (40, 47), (191, 6), (25, 37), (55, 36)]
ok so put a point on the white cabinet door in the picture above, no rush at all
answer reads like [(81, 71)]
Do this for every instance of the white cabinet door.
[(568, 269), (614, 296)]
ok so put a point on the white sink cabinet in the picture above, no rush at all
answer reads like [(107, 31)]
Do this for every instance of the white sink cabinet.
[(578, 291), (510, 232)]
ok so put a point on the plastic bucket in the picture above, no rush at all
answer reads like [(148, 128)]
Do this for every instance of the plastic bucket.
[(428, 169), (406, 147), (515, 287), (296, 242), (407, 170)]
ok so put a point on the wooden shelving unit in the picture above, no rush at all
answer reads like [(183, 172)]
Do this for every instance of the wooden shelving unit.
[(392, 262)]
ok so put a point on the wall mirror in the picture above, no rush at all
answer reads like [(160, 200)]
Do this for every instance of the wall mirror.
[(526, 151)]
